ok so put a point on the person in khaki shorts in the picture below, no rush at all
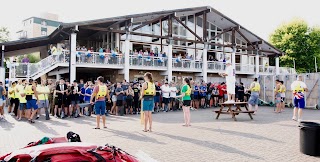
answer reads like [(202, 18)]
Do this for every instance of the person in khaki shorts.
[(51, 87), (43, 91)]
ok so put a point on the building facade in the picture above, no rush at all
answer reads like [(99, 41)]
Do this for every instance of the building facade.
[(191, 42), (43, 25)]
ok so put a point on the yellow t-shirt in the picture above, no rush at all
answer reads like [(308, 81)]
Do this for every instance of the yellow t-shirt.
[(22, 99), (12, 95), (43, 89)]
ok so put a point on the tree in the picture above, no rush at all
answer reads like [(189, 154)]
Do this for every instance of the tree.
[(4, 34), (300, 43), (33, 57)]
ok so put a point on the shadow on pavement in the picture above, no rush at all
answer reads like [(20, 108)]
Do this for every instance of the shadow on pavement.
[(133, 136), (6, 125), (210, 145), (56, 123), (43, 128), (235, 133)]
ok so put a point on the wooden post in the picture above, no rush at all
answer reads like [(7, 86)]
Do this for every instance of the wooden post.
[(161, 35), (234, 49), (195, 30), (204, 26)]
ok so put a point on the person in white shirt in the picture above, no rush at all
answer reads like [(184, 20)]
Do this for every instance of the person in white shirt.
[(173, 94), (230, 81), (165, 89), (298, 88)]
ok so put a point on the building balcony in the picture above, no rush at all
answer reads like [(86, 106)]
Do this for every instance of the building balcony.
[(136, 62), (99, 60), (263, 69), (148, 62), (186, 65)]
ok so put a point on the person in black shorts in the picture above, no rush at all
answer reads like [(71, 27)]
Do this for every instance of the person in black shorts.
[(136, 96), (185, 95), (241, 92), (60, 94), (67, 101), (129, 100), (119, 104), (215, 95)]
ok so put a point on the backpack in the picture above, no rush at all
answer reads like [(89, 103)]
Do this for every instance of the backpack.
[(73, 137)]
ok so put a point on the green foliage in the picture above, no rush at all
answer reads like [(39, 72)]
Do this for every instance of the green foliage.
[(300, 43), (4, 34), (33, 57)]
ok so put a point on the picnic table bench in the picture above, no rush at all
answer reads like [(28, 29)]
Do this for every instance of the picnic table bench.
[(234, 109)]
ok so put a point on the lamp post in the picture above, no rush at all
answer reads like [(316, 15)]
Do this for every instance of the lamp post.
[(2, 56), (156, 50), (2, 68), (315, 63)]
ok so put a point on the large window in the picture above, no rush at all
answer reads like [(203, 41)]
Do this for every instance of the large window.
[(44, 23), (191, 19), (199, 21), (43, 33)]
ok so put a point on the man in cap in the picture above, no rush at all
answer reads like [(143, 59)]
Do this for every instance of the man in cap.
[(298, 88), (230, 81)]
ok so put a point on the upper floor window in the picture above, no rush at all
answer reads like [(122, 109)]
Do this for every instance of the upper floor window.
[(44, 23), (44, 33)]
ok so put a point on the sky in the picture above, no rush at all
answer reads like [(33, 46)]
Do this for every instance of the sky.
[(261, 17)]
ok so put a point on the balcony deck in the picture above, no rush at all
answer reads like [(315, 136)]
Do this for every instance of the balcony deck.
[(148, 63), (136, 62)]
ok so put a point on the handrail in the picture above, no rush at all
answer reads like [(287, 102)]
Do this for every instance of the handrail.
[(141, 60), (30, 70), (98, 57)]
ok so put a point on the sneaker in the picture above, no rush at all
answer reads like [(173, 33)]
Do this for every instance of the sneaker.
[(56, 116), (299, 120), (38, 116), (294, 118)]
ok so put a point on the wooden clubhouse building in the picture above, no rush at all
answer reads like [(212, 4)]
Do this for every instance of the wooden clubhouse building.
[(190, 42)]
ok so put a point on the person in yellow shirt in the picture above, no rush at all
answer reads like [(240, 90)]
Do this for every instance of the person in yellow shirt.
[(43, 92), (14, 100), (283, 90), (100, 93), (148, 91), (277, 92), (254, 98), (22, 98), (32, 100)]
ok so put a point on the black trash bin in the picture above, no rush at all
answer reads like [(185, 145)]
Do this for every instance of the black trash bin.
[(310, 138)]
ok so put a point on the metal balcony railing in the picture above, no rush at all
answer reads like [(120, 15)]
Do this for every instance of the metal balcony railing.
[(216, 66), (186, 64), (28, 70), (85, 57), (137, 60)]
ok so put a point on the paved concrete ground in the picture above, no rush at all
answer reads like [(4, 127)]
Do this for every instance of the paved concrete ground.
[(269, 137)]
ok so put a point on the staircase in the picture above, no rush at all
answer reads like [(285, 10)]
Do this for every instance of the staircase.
[(36, 70)]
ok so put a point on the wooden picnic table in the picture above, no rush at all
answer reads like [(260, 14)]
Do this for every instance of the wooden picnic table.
[(234, 109)]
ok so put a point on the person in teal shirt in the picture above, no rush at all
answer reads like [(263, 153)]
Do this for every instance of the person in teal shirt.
[(186, 98)]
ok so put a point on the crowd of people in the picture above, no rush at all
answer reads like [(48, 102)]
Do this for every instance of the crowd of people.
[(63, 99)]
